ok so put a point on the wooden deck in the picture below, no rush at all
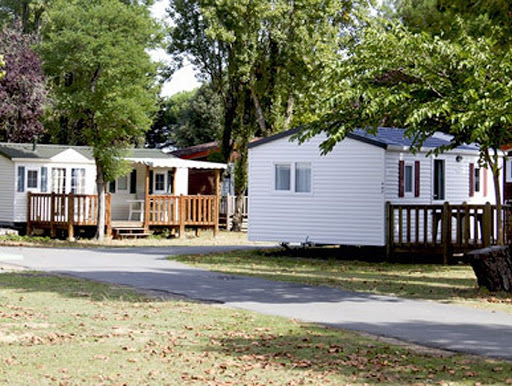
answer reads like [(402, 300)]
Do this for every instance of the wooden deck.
[(67, 211), (444, 229)]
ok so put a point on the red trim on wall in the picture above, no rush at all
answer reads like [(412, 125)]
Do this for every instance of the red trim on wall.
[(401, 182), (416, 178), (471, 180)]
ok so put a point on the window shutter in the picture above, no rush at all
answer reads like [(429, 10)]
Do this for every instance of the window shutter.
[(471, 180), (401, 182), (416, 178), (44, 179), (151, 182), (133, 181), (485, 182), (21, 178)]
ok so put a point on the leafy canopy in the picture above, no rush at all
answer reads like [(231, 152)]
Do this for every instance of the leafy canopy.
[(22, 89), (424, 83), (102, 76)]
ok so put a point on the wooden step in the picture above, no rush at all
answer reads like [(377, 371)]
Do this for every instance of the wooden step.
[(132, 232)]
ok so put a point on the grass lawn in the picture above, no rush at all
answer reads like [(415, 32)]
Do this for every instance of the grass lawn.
[(451, 284), (56, 330), (190, 239)]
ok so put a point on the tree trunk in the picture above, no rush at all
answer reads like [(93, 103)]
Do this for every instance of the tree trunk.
[(100, 186), (229, 119), (493, 163), (493, 267), (238, 217)]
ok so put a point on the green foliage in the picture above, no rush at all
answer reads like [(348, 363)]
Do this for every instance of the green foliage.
[(188, 118), (396, 77), (103, 79)]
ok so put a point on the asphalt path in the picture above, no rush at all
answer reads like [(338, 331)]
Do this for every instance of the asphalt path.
[(431, 324)]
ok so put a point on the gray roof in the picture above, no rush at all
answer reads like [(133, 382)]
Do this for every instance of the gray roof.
[(383, 137), (25, 150)]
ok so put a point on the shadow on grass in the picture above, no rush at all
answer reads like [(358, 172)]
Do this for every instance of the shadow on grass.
[(68, 287), (357, 358)]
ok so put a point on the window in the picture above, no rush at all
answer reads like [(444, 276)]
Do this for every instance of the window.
[(408, 179), (509, 170), (133, 181), (44, 179), (78, 181), (477, 179), (59, 180), (439, 179), (122, 183), (282, 177), (303, 177), (21, 178), (32, 179), (112, 186), (159, 182)]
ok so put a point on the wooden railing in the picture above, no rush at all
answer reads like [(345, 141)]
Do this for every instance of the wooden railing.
[(55, 211), (227, 209), (444, 228), (182, 211)]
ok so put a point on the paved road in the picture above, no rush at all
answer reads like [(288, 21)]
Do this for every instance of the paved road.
[(427, 323)]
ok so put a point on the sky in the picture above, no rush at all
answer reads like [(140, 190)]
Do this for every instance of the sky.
[(183, 79)]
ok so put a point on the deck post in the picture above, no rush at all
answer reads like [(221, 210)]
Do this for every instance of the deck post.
[(29, 214), (446, 232), (487, 225), (216, 205), (146, 201), (53, 230), (389, 231), (71, 217), (108, 214), (182, 214)]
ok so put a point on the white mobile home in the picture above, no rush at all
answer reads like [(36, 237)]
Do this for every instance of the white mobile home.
[(296, 195), (63, 170)]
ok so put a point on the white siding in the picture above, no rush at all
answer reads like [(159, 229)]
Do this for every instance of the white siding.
[(20, 198), (7, 191), (456, 179), (346, 205)]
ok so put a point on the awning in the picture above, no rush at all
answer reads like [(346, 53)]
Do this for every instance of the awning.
[(177, 163)]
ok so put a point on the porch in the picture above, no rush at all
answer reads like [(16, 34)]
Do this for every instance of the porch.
[(444, 229), (66, 212)]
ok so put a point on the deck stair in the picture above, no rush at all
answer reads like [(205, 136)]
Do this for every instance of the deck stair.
[(128, 229)]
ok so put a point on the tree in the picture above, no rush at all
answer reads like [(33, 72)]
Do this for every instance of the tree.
[(22, 90), (425, 83), (188, 118), (103, 78), (263, 58)]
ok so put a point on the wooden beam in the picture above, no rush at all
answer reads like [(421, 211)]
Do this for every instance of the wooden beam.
[(29, 213), (146, 201), (217, 203), (71, 216), (108, 214)]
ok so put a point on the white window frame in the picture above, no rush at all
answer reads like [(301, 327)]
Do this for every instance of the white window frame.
[(293, 170), (509, 171), (159, 191), (38, 178), (274, 175), (80, 181), (410, 193), (62, 178), (121, 186), (480, 180)]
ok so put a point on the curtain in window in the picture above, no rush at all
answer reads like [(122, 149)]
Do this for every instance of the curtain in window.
[(44, 179), (21, 178), (78, 181), (302, 177), (58, 180), (282, 173)]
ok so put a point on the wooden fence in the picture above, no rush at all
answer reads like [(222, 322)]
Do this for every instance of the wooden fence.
[(181, 211), (445, 229), (64, 211), (227, 209)]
